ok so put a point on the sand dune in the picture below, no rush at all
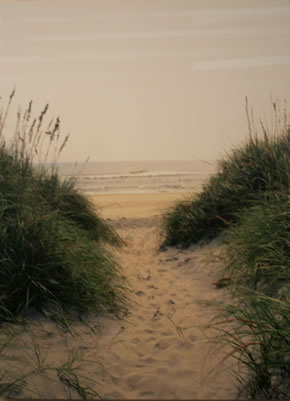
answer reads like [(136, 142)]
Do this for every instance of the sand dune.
[(159, 350)]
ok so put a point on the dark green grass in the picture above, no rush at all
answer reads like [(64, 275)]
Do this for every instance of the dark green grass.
[(248, 201), (258, 250), (52, 252), (249, 174), (258, 261), (47, 259), (77, 208)]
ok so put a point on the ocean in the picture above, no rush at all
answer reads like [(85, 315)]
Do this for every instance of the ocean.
[(138, 176)]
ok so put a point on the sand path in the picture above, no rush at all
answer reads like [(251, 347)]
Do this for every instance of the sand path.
[(159, 352)]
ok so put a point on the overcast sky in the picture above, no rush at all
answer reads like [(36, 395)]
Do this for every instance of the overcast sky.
[(146, 79)]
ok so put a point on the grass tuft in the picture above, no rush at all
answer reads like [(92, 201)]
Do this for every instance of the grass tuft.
[(249, 174), (258, 247), (248, 201), (51, 240), (53, 254)]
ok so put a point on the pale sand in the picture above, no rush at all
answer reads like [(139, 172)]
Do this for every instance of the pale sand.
[(159, 351), (135, 205)]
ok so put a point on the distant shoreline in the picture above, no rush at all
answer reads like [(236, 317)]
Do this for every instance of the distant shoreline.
[(130, 205)]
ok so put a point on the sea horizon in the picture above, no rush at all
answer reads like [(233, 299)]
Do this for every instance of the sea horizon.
[(140, 176)]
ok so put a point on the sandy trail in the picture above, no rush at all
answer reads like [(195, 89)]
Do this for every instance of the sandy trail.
[(159, 351)]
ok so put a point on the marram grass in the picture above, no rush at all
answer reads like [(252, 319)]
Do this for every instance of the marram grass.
[(257, 327), (51, 240), (53, 254), (250, 173), (248, 200), (258, 248)]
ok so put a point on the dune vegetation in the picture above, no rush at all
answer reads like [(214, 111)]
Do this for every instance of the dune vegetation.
[(247, 202), (53, 257)]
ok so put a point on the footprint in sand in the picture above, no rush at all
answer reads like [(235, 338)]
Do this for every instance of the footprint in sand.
[(173, 259), (162, 364), (139, 293), (163, 345), (153, 287), (157, 313)]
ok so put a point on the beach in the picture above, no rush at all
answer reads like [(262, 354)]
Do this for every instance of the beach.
[(144, 200), (118, 206), (159, 349)]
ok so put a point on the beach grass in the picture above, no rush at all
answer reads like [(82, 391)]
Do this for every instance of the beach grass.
[(250, 173), (31, 364), (258, 247), (53, 253), (257, 324), (247, 201)]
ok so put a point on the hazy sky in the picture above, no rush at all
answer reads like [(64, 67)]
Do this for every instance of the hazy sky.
[(146, 79)]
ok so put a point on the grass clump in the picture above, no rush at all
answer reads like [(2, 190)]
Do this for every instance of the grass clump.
[(258, 247), (257, 326), (248, 200), (257, 330), (52, 250), (250, 173), (53, 255)]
